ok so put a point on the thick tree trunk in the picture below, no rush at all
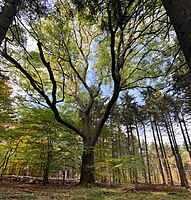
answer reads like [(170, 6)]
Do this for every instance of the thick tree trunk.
[(179, 12), (87, 167), (7, 14)]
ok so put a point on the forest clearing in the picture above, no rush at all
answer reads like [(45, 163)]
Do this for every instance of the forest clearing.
[(95, 99)]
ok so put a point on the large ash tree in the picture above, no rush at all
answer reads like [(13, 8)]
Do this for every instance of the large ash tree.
[(82, 60)]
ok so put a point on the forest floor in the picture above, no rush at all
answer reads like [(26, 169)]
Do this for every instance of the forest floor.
[(16, 190)]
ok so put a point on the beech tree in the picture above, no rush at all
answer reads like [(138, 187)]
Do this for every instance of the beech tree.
[(77, 60)]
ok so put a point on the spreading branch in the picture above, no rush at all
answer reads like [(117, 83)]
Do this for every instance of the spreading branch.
[(41, 92)]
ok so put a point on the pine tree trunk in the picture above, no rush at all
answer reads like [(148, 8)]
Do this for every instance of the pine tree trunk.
[(186, 129), (170, 131), (114, 155), (184, 136), (163, 154), (147, 154), (158, 155), (179, 12), (129, 152), (141, 152), (169, 173), (135, 173), (160, 148), (119, 154)]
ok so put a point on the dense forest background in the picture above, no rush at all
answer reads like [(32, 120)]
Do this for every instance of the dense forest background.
[(94, 91)]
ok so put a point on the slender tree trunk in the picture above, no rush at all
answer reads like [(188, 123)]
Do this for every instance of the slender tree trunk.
[(7, 156), (170, 131), (154, 176), (5, 163), (147, 154), (46, 168), (129, 150), (172, 145), (119, 153), (114, 156), (184, 136), (158, 155), (163, 155), (161, 149), (179, 12), (141, 152), (45, 175), (169, 173), (186, 129), (177, 149), (135, 174), (102, 156)]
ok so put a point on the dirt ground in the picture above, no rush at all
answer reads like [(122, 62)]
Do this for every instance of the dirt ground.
[(17, 190)]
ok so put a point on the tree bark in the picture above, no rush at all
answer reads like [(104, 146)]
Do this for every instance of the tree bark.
[(87, 167), (8, 12), (179, 12)]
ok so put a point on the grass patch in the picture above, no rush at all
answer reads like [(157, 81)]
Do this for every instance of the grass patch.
[(12, 194)]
